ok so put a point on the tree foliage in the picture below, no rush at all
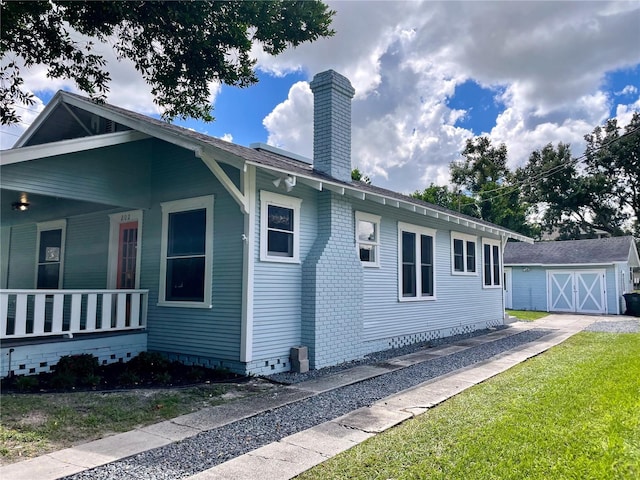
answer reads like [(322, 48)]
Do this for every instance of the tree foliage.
[(178, 47), (489, 182), (358, 176), (448, 198), (600, 192)]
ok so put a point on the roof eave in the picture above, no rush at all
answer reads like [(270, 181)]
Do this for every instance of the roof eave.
[(362, 194)]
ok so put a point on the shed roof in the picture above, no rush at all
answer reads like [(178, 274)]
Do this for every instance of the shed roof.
[(572, 252)]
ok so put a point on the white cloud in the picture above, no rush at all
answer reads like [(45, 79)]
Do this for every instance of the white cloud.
[(406, 58), (290, 124)]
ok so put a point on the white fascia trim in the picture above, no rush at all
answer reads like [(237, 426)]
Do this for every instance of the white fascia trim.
[(175, 138), (563, 265), (64, 147), (395, 202), (39, 120)]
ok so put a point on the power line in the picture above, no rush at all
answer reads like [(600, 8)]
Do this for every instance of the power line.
[(553, 170)]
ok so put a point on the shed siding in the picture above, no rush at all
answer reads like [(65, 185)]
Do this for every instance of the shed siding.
[(530, 287), (194, 332), (278, 286)]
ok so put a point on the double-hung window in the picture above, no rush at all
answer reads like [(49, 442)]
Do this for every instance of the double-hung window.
[(463, 251), (368, 239), (491, 263), (279, 228), (416, 262), (50, 254), (187, 252)]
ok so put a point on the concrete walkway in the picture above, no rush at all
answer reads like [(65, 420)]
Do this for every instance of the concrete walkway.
[(293, 455)]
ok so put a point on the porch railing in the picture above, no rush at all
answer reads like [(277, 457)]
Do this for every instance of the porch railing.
[(38, 313)]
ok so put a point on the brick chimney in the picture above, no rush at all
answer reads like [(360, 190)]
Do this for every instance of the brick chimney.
[(332, 94)]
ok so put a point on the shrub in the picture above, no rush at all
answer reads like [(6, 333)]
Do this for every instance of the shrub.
[(26, 383)]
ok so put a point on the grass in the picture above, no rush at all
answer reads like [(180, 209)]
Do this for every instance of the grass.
[(527, 315), (571, 413), (35, 424)]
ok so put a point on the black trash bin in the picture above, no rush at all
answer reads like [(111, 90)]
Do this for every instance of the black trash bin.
[(633, 304)]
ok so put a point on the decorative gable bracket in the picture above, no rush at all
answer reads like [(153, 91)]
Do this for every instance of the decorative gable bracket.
[(240, 197)]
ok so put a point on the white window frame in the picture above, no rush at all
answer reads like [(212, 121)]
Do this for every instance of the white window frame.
[(375, 219), (270, 198), (115, 219), (464, 238), (44, 227), (418, 231), (177, 206), (492, 243)]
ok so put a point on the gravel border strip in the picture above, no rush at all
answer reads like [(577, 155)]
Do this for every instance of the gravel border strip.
[(615, 326), (208, 449)]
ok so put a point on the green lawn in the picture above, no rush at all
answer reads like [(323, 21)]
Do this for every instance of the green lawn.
[(527, 315), (570, 413)]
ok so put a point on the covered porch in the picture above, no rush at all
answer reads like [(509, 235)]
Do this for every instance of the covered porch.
[(40, 326)]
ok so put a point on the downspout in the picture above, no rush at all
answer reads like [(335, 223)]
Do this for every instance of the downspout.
[(248, 185), (502, 279), (615, 274)]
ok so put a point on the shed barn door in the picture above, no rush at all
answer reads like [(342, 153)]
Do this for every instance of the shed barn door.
[(581, 291), (590, 292)]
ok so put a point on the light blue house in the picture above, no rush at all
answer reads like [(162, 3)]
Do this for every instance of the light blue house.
[(581, 276), (121, 233)]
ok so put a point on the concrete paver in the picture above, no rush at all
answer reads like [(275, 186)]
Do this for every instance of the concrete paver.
[(294, 454)]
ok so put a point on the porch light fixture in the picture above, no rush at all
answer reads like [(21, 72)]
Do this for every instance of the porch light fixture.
[(20, 206)]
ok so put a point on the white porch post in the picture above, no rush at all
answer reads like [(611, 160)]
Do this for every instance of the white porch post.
[(246, 332)]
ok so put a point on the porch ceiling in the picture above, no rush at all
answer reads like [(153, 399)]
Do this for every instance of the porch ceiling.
[(42, 208)]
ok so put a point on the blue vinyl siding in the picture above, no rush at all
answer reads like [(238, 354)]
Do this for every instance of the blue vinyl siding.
[(114, 175), (203, 332), (278, 286), (22, 258), (461, 303), (86, 251), (529, 289)]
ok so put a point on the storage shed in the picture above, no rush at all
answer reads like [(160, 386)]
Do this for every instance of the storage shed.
[(580, 276)]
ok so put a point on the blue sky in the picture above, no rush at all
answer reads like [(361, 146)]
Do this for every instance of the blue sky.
[(428, 76)]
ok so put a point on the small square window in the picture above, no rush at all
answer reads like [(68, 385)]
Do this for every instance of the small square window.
[(280, 228), (463, 254), (368, 239)]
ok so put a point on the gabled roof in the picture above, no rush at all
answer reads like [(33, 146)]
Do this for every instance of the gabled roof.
[(136, 126), (598, 251)]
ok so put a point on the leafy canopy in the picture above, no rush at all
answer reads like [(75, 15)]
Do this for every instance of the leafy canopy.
[(178, 47), (600, 191)]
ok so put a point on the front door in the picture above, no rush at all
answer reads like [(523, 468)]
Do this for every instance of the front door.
[(125, 250), (127, 255)]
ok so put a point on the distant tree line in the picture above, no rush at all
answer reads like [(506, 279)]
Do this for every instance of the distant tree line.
[(554, 191)]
